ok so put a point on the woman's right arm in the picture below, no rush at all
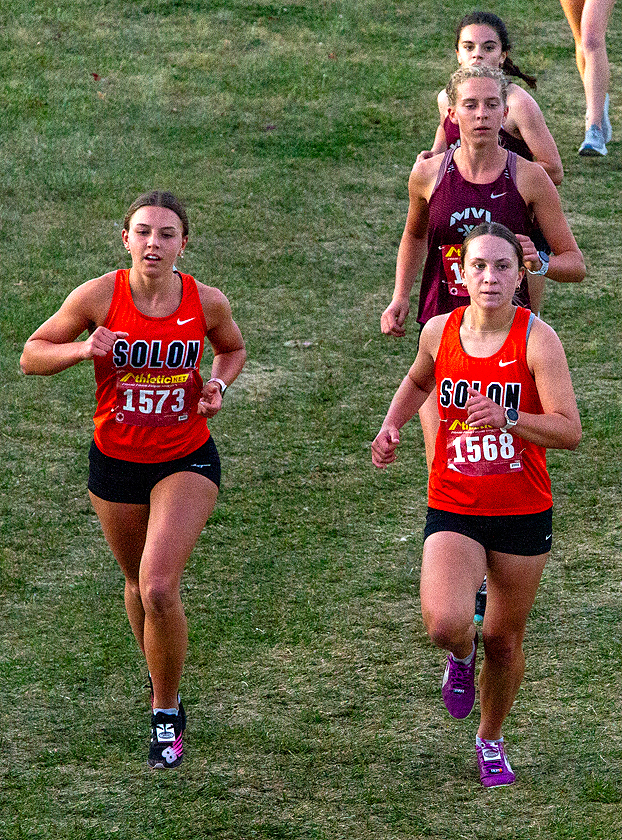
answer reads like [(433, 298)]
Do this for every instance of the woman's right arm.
[(413, 246), (53, 347), (418, 383)]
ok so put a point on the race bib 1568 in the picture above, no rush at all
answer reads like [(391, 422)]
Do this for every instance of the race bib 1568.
[(485, 451)]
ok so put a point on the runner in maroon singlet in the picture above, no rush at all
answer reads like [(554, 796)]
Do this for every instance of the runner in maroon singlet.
[(456, 206), (482, 38)]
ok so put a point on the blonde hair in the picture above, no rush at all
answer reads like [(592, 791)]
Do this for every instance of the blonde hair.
[(478, 71)]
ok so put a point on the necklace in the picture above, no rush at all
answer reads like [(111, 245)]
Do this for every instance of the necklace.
[(498, 329)]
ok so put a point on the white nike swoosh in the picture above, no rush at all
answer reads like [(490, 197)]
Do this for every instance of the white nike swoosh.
[(505, 364), (498, 195), (186, 321)]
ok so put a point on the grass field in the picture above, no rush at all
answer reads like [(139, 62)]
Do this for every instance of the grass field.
[(312, 691)]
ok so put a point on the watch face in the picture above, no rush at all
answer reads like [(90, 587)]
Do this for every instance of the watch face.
[(511, 414)]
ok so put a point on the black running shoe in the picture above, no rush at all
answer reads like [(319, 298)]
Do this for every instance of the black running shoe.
[(167, 748), (480, 603), (182, 714)]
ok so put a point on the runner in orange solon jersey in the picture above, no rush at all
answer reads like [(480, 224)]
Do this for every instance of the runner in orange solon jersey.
[(504, 396), (154, 468)]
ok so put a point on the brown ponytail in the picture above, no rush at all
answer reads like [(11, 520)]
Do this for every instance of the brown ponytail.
[(510, 69)]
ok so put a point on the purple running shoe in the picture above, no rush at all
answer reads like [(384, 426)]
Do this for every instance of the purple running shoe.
[(458, 687), (494, 767)]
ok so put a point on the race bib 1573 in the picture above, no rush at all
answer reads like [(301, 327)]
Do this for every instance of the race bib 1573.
[(162, 398)]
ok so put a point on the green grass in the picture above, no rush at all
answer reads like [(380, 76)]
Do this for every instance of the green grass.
[(311, 688)]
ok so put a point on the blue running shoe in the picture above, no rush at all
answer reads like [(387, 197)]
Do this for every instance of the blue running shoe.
[(594, 143), (607, 132)]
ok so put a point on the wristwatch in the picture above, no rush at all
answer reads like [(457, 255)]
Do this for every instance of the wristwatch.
[(511, 419), (544, 259), (222, 385)]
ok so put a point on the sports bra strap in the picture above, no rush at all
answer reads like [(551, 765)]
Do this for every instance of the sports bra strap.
[(511, 165), (442, 171), (532, 318)]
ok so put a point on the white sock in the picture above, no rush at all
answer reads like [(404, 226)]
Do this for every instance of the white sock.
[(481, 742), (468, 659), (166, 711)]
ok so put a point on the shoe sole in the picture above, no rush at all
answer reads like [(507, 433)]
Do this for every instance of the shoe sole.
[(158, 765), (588, 151), (501, 784)]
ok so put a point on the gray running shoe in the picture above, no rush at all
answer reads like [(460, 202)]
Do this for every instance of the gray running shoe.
[(606, 122)]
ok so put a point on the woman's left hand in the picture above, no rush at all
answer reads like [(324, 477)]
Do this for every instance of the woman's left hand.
[(482, 411), (531, 258), (211, 400)]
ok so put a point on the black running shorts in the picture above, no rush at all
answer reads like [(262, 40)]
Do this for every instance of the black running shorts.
[(527, 535), (115, 480)]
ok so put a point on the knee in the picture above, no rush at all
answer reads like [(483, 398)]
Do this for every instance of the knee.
[(443, 631), (503, 649), (159, 596), (592, 41)]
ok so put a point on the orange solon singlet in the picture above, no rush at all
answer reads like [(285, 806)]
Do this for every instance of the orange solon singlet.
[(149, 386)]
